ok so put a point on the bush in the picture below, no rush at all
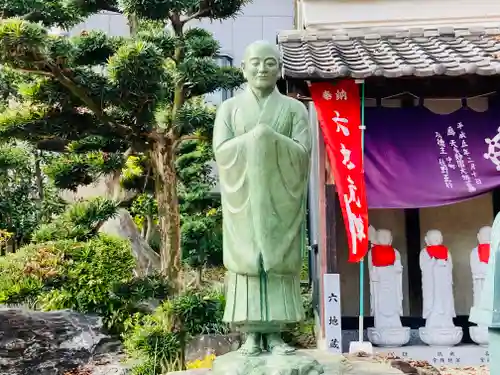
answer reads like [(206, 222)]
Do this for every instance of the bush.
[(95, 276), (158, 340)]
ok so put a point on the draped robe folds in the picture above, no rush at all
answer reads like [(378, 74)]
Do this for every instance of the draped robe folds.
[(437, 289), (386, 291), (478, 270), (263, 157)]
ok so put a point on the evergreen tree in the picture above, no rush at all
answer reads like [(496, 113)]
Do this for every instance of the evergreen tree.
[(201, 215), (99, 100)]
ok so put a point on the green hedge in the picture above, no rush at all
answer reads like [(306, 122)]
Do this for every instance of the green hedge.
[(95, 276)]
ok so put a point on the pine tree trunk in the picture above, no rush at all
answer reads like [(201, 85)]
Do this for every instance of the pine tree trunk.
[(38, 176), (199, 277), (163, 160), (150, 228)]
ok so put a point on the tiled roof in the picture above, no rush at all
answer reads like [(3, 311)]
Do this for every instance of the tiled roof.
[(396, 53)]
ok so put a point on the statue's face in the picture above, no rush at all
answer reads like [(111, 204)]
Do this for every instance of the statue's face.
[(261, 67)]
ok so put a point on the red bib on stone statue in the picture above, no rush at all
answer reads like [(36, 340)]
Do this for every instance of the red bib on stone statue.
[(438, 252), (483, 251), (383, 255)]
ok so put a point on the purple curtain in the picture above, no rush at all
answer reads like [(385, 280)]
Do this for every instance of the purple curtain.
[(416, 158)]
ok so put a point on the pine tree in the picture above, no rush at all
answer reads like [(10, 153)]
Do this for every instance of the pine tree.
[(99, 100)]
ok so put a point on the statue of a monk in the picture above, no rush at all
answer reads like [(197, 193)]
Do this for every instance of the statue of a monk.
[(262, 146)]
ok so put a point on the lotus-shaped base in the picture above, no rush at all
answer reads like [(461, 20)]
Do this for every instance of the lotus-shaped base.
[(441, 336), (389, 337)]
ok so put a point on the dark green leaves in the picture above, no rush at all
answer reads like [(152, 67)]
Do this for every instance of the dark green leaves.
[(71, 170), (164, 41), (203, 75), (162, 9), (22, 44), (96, 143), (86, 7), (50, 91), (200, 43), (137, 69), (195, 118), (220, 9), (47, 12), (94, 48), (152, 9)]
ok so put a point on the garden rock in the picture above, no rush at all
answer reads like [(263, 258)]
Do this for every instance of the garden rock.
[(55, 343), (203, 345)]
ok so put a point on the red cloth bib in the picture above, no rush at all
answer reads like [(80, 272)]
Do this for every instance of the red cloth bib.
[(383, 255), (483, 250), (438, 252)]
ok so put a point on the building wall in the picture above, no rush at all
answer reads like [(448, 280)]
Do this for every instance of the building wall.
[(341, 14)]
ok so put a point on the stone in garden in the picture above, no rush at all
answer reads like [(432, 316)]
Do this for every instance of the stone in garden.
[(262, 146), (201, 346), (55, 343)]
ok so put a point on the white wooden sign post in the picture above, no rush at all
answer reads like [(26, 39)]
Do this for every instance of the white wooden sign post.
[(333, 324)]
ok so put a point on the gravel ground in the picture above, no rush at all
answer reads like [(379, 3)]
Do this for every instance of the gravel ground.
[(479, 370)]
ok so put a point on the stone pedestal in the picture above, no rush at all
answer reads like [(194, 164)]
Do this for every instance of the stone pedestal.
[(468, 355), (331, 364), (266, 364), (389, 337), (442, 337)]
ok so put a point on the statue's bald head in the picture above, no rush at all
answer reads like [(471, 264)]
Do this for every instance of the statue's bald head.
[(261, 48), (261, 65)]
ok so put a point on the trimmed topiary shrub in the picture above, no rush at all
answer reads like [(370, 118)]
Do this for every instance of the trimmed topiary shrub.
[(73, 266)]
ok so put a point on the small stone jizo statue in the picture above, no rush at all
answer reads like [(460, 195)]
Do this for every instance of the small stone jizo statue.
[(487, 312), (479, 259), (262, 146)]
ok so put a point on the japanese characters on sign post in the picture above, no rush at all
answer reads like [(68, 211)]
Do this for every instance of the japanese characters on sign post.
[(338, 106), (333, 328)]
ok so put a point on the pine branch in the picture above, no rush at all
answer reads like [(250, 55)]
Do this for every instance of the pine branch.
[(202, 12), (125, 131), (36, 72)]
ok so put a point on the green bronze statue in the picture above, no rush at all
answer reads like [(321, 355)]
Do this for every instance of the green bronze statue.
[(262, 146), (488, 311)]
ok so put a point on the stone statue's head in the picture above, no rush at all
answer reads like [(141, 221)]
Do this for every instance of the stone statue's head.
[(261, 65), (384, 237), (484, 235), (433, 238)]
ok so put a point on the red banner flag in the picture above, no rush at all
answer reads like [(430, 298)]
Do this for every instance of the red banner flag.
[(339, 113)]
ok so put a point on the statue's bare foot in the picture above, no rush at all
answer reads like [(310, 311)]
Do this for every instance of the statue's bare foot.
[(251, 347), (276, 345)]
